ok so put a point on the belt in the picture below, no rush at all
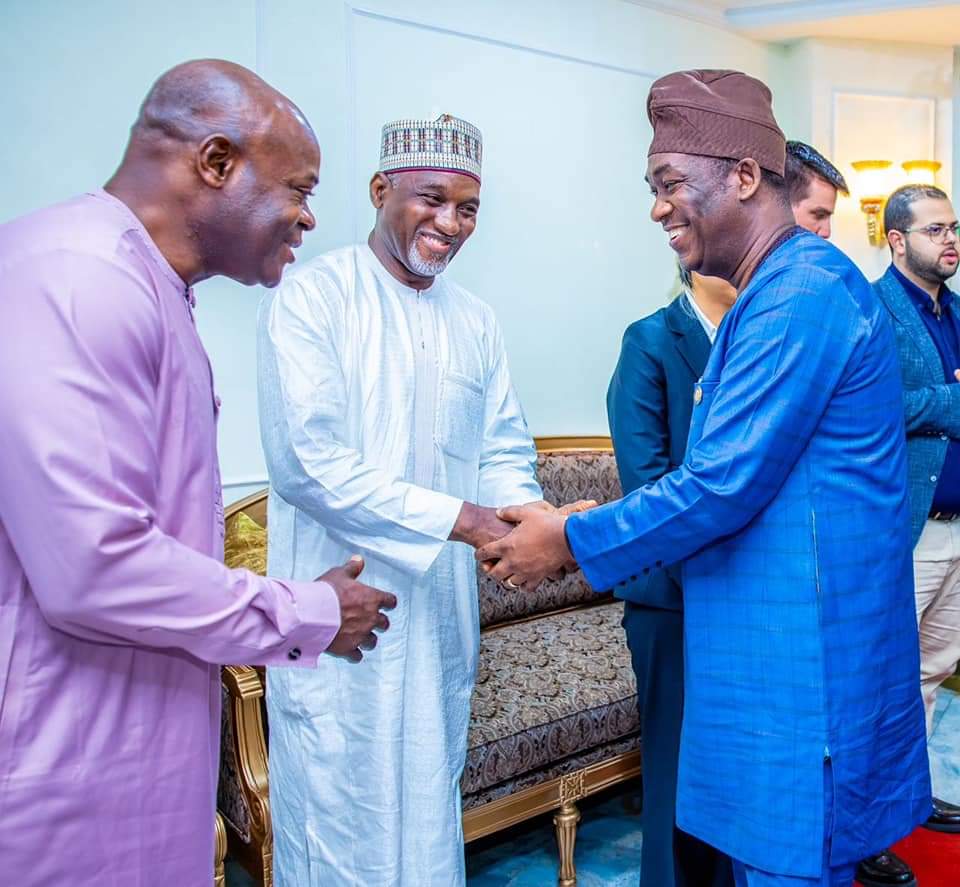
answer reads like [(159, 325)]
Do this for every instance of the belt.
[(944, 515)]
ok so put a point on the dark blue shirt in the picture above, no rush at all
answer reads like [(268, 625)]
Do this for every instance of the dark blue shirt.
[(944, 330)]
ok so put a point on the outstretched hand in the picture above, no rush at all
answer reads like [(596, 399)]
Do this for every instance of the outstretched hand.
[(535, 549), (361, 609)]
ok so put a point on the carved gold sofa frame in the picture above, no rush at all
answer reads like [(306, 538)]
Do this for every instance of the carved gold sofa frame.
[(244, 774)]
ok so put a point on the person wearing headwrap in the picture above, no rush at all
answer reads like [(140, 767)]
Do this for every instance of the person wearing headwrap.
[(390, 426), (813, 182), (803, 744)]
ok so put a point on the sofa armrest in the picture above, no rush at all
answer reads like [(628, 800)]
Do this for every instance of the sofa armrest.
[(245, 691)]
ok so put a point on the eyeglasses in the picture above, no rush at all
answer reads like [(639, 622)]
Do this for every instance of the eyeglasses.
[(937, 233)]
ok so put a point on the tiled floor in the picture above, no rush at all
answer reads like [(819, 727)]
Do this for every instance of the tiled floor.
[(609, 837), (945, 747)]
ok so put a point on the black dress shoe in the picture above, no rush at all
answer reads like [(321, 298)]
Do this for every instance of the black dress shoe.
[(885, 869), (945, 817)]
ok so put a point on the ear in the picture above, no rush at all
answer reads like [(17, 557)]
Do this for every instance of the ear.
[(748, 177), (379, 188), (216, 160), (897, 242)]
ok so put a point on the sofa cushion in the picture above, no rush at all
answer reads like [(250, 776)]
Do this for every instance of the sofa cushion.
[(548, 689), (245, 544), (564, 477)]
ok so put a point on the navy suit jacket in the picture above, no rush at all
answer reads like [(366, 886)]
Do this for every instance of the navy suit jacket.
[(790, 515), (649, 405), (931, 406)]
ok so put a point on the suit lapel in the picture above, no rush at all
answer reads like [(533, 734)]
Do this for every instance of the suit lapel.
[(690, 339), (900, 306)]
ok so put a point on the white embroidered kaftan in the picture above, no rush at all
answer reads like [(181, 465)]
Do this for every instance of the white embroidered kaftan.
[(382, 410)]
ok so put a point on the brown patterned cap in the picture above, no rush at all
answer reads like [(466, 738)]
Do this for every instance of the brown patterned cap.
[(715, 114)]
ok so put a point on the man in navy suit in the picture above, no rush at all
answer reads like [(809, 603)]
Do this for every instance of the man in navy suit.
[(803, 747), (649, 408)]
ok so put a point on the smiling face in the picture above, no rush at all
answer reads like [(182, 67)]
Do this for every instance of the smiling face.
[(815, 209), (423, 218), (270, 200), (933, 261), (696, 202)]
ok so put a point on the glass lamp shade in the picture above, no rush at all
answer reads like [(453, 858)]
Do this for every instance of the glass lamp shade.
[(874, 180), (921, 172)]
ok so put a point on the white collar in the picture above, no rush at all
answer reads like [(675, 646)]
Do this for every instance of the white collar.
[(708, 327), (388, 280)]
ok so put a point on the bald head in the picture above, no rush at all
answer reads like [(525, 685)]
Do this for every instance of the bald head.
[(219, 168), (198, 98)]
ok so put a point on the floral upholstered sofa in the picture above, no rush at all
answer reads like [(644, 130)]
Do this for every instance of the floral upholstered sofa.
[(554, 714)]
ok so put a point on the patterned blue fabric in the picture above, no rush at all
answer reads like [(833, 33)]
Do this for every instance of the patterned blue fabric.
[(791, 510), (939, 318), (931, 406), (830, 876), (943, 326)]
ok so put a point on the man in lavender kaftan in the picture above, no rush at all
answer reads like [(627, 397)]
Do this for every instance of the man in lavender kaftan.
[(114, 601), (386, 412)]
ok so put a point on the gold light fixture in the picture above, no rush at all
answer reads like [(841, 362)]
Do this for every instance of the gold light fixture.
[(921, 172), (873, 185)]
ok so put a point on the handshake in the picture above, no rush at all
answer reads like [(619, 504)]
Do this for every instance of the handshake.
[(522, 545), (519, 546)]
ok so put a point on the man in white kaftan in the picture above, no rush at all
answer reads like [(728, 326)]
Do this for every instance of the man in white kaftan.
[(387, 416)]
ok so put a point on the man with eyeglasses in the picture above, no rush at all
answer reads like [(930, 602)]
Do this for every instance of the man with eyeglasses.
[(922, 228)]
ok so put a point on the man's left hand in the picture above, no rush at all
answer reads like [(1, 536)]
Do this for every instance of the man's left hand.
[(536, 549)]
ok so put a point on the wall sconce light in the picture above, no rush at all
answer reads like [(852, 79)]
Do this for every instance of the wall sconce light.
[(921, 172), (873, 186)]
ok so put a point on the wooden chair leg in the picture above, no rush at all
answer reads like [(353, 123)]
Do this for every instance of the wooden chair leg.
[(565, 823), (268, 862), (220, 853)]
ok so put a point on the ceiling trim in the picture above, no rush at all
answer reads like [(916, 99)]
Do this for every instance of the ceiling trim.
[(707, 13), (814, 10)]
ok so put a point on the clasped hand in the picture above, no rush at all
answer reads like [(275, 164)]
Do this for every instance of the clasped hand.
[(535, 549)]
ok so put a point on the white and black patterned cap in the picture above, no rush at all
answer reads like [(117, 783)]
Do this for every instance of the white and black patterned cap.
[(447, 144)]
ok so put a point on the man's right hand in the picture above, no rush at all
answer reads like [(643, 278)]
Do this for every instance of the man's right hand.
[(477, 525), (360, 607)]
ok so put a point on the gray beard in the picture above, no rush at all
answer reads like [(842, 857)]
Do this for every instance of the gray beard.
[(418, 265)]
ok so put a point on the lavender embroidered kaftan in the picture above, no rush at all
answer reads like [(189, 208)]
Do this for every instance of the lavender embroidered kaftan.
[(381, 409), (113, 599)]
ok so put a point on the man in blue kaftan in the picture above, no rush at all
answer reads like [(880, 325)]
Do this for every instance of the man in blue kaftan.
[(803, 742)]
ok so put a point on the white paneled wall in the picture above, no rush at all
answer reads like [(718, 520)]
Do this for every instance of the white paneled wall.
[(565, 251), (863, 100)]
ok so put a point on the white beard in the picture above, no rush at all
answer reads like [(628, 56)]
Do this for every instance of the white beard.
[(419, 265)]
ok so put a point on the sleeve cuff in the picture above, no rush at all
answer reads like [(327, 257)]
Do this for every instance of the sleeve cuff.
[(317, 609), (604, 567), (434, 515)]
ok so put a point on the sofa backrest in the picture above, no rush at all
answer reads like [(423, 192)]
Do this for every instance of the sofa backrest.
[(568, 469)]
